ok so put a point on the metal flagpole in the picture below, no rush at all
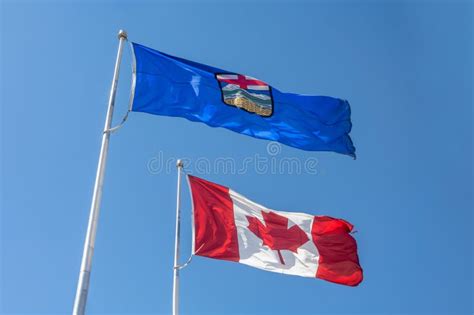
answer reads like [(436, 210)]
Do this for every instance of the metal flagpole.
[(84, 274), (176, 267)]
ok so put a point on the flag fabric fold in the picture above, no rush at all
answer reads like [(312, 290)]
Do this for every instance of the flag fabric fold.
[(228, 226), (171, 86)]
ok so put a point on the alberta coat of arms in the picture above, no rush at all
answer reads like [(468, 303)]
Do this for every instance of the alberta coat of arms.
[(247, 93)]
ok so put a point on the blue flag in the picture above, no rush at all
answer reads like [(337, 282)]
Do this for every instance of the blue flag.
[(171, 86)]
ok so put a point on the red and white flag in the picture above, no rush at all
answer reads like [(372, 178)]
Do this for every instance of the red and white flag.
[(228, 226)]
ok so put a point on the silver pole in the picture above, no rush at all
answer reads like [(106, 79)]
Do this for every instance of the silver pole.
[(85, 272), (179, 165)]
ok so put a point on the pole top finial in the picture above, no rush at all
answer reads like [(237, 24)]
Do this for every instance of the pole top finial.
[(122, 34), (179, 163)]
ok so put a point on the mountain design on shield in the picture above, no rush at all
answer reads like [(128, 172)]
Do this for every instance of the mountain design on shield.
[(247, 93)]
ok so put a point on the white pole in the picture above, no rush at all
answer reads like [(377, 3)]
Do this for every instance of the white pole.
[(84, 274), (179, 165)]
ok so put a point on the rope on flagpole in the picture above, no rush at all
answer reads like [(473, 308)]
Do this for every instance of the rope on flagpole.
[(179, 267), (132, 92), (113, 129)]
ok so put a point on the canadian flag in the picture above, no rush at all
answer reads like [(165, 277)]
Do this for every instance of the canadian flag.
[(228, 226)]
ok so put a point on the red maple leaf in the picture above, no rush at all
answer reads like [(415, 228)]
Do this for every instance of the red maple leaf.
[(276, 234)]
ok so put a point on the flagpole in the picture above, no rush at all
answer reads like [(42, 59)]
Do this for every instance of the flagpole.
[(84, 274), (179, 165)]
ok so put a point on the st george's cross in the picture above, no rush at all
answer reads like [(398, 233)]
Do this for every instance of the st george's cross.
[(247, 93)]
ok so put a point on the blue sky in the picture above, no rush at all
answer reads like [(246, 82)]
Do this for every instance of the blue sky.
[(406, 68)]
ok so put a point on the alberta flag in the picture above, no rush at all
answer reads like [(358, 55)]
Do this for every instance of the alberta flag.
[(228, 226), (171, 86)]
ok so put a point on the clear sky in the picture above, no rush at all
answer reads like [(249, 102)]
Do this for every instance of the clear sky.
[(406, 68)]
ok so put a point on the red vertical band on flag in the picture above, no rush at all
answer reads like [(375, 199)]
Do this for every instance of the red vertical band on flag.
[(338, 261), (215, 233)]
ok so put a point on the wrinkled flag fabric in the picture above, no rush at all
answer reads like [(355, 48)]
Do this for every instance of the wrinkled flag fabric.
[(228, 226), (171, 86)]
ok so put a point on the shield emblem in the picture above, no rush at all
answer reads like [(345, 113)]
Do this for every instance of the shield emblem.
[(246, 93)]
